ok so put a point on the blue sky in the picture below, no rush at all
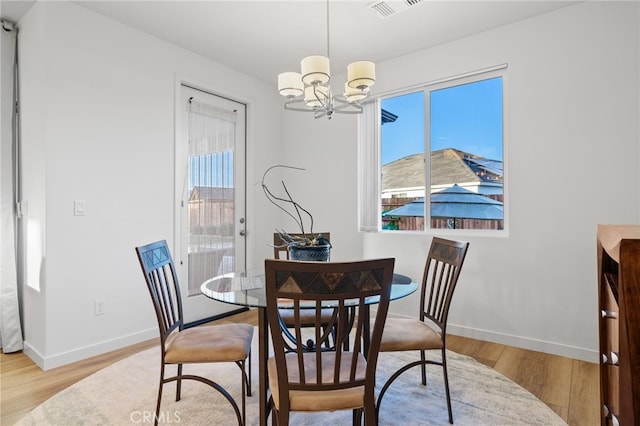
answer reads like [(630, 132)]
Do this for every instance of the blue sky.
[(466, 117)]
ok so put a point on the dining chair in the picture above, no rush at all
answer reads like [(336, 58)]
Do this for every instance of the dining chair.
[(428, 331), (202, 344), (281, 251), (314, 378)]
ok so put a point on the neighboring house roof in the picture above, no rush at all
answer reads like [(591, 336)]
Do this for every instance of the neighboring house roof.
[(388, 117), (448, 166), (212, 193)]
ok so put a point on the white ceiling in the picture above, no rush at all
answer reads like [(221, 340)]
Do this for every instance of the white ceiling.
[(265, 37)]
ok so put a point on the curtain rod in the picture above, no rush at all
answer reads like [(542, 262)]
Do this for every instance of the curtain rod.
[(8, 25)]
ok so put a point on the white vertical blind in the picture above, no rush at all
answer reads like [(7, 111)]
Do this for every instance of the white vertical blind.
[(10, 328), (369, 178)]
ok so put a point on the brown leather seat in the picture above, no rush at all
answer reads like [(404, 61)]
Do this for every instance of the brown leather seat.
[(428, 331), (205, 344), (313, 378)]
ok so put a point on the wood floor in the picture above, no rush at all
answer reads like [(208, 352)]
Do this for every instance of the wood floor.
[(570, 387)]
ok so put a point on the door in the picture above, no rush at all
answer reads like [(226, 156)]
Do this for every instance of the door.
[(211, 191)]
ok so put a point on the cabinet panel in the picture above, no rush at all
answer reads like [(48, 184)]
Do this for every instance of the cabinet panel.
[(619, 323)]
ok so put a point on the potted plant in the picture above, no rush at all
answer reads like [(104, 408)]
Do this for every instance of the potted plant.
[(303, 245)]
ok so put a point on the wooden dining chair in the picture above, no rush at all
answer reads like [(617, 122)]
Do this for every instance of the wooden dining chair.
[(281, 251), (180, 345), (428, 331), (314, 378)]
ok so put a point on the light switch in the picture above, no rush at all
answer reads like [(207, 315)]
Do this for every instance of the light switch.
[(79, 207)]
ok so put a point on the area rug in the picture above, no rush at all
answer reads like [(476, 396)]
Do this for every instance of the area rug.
[(125, 394)]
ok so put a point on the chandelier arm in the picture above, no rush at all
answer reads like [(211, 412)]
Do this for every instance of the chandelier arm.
[(320, 113), (343, 109), (326, 97)]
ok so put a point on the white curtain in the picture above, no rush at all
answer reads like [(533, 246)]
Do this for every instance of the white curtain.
[(10, 328), (211, 129), (212, 133), (369, 178)]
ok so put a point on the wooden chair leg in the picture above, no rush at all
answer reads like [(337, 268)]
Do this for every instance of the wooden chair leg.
[(370, 415), (357, 417)]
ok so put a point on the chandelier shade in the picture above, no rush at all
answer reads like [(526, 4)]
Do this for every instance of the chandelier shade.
[(309, 90), (290, 84), (353, 95), (314, 96), (315, 70), (361, 75)]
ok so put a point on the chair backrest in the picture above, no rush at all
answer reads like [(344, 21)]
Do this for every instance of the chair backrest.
[(311, 284), (162, 281), (440, 277), (280, 250)]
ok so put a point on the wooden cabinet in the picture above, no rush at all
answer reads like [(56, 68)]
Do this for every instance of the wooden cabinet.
[(619, 323)]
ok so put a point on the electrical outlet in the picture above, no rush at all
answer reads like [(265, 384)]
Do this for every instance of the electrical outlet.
[(99, 307)]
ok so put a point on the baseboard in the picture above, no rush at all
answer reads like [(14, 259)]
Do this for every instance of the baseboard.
[(568, 351), (58, 360), (554, 348), (47, 363)]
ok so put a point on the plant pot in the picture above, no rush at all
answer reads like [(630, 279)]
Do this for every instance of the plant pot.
[(318, 253)]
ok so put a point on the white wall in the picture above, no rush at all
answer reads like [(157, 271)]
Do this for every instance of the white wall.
[(572, 161), (98, 125), (327, 150)]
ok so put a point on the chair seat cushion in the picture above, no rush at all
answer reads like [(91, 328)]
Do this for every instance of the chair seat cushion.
[(406, 334), (215, 343), (307, 316), (326, 400)]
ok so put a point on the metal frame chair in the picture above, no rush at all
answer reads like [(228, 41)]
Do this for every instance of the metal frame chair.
[(179, 345), (314, 378), (441, 273)]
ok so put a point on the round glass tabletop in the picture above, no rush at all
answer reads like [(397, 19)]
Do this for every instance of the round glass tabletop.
[(247, 288)]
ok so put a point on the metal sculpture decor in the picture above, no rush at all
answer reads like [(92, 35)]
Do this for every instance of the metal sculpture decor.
[(305, 245)]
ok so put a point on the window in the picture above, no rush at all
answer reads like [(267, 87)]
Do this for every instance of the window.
[(459, 123)]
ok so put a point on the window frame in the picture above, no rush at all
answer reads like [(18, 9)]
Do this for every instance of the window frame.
[(367, 136)]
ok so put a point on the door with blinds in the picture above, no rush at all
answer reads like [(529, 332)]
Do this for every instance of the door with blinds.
[(211, 180)]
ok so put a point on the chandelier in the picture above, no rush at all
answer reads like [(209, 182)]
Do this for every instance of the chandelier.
[(309, 90)]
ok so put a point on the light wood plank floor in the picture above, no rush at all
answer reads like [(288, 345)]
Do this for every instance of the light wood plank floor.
[(570, 387)]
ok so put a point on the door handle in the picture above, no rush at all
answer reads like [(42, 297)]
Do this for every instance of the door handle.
[(243, 233)]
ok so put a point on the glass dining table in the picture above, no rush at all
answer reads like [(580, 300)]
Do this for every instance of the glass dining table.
[(247, 289)]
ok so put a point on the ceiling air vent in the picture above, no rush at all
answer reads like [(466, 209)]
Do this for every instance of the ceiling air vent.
[(387, 8)]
